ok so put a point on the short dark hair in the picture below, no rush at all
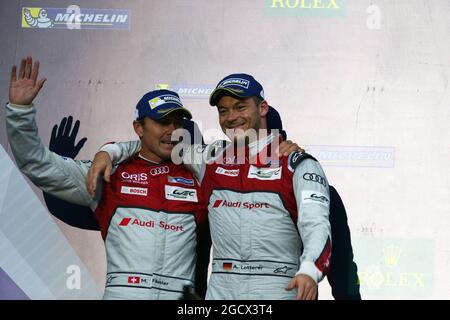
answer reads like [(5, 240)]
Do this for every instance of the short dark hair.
[(257, 100), (141, 121)]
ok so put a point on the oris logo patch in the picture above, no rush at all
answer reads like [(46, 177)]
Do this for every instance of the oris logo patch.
[(139, 178)]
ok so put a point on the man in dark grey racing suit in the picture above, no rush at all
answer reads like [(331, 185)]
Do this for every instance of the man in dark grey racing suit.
[(268, 215)]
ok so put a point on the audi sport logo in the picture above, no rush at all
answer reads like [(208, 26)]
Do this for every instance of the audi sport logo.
[(126, 221), (315, 178), (150, 224), (246, 205), (159, 170)]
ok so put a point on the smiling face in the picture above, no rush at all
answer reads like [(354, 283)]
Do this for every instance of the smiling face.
[(156, 136), (237, 116)]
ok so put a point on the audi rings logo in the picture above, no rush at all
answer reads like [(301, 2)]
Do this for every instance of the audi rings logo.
[(315, 178), (159, 170)]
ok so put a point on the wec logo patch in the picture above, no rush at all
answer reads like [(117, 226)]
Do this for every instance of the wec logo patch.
[(312, 196), (181, 194)]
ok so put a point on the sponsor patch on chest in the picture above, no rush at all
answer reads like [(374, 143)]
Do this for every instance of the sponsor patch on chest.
[(181, 194), (134, 178), (181, 180), (227, 172), (134, 191), (264, 173)]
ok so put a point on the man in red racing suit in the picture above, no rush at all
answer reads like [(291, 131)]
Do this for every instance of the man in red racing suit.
[(151, 212)]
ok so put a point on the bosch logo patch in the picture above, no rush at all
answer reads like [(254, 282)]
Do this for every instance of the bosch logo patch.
[(225, 172), (134, 191)]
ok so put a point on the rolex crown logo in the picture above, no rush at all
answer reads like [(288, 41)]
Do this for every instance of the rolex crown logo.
[(391, 255)]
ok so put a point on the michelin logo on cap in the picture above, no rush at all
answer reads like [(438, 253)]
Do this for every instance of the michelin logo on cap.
[(235, 82), (156, 102)]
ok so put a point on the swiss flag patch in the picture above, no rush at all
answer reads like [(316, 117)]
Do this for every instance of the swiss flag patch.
[(134, 280)]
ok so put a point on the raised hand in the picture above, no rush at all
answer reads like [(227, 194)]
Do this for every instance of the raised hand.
[(62, 142), (24, 87)]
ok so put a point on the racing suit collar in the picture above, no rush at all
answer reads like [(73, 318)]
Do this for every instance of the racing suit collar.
[(143, 158), (257, 146), (259, 153)]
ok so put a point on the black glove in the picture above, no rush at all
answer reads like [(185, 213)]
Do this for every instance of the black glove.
[(62, 142)]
